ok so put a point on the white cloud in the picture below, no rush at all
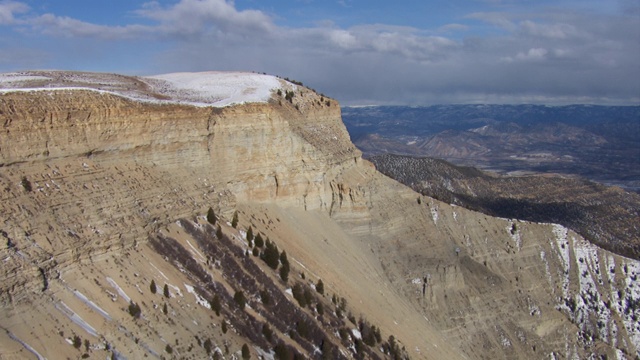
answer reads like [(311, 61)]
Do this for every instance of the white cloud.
[(535, 54), (452, 28), (517, 56), (498, 19), (552, 31), (8, 10), (343, 39), (193, 17), (69, 27)]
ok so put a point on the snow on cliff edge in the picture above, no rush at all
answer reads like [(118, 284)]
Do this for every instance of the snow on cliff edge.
[(213, 88)]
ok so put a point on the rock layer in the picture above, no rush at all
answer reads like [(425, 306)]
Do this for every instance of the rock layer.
[(89, 177)]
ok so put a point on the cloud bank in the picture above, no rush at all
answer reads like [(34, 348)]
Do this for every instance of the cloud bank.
[(550, 55)]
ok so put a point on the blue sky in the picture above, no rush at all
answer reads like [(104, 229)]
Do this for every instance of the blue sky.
[(359, 51)]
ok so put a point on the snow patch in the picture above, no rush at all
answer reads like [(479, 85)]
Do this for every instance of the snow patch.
[(75, 318), (199, 299), (196, 252), (515, 234), (11, 79), (92, 305), (119, 289), (26, 346), (434, 215), (561, 233), (215, 88), (161, 273)]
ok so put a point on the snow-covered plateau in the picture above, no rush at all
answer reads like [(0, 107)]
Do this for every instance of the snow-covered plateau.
[(213, 88)]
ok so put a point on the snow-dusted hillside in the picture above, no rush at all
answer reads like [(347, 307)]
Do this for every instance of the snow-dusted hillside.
[(218, 89)]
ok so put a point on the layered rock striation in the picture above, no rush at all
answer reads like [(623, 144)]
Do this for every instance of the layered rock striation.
[(98, 173)]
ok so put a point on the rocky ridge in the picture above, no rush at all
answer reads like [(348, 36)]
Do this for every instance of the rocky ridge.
[(104, 192)]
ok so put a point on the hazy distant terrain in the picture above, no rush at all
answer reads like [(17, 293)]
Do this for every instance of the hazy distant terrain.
[(600, 143)]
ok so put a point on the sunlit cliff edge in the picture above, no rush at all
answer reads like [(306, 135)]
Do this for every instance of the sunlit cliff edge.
[(98, 170)]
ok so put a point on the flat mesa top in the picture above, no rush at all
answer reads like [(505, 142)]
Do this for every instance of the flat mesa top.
[(213, 88)]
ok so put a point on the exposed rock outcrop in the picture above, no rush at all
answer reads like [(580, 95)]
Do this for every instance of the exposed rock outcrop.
[(94, 184)]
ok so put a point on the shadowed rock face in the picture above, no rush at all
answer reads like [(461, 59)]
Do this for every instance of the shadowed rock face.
[(102, 194)]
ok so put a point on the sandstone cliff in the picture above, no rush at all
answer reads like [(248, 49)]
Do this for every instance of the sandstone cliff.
[(100, 178)]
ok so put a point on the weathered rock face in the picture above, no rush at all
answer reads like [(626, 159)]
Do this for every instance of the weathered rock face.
[(260, 151), (88, 177)]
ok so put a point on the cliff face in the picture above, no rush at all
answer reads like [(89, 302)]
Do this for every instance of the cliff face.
[(104, 168), (94, 186)]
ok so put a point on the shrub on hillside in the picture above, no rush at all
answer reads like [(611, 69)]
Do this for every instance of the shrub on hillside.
[(216, 306), (26, 184), (234, 221), (246, 354), (284, 273), (271, 255), (259, 241), (211, 216), (134, 310), (320, 287), (267, 332), (239, 298), (298, 294)]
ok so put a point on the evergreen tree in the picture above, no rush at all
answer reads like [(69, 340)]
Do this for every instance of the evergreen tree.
[(219, 232), (164, 309), (224, 326), (267, 332), (298, 294), (246, 354), (284, 272), (281, 351), (77, 341), (166, 291), (234, 221), (320, 287), (239, 298), (271, 255), (259, 241), (215, 304), (283, 258), (152, 287), (134, 310), (264, 296), (249, 235), (308, 297), (327, 349), (208, 346), (26, 184), (211, 216)]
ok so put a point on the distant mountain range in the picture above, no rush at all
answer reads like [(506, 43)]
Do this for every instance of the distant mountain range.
[(600, 143)]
